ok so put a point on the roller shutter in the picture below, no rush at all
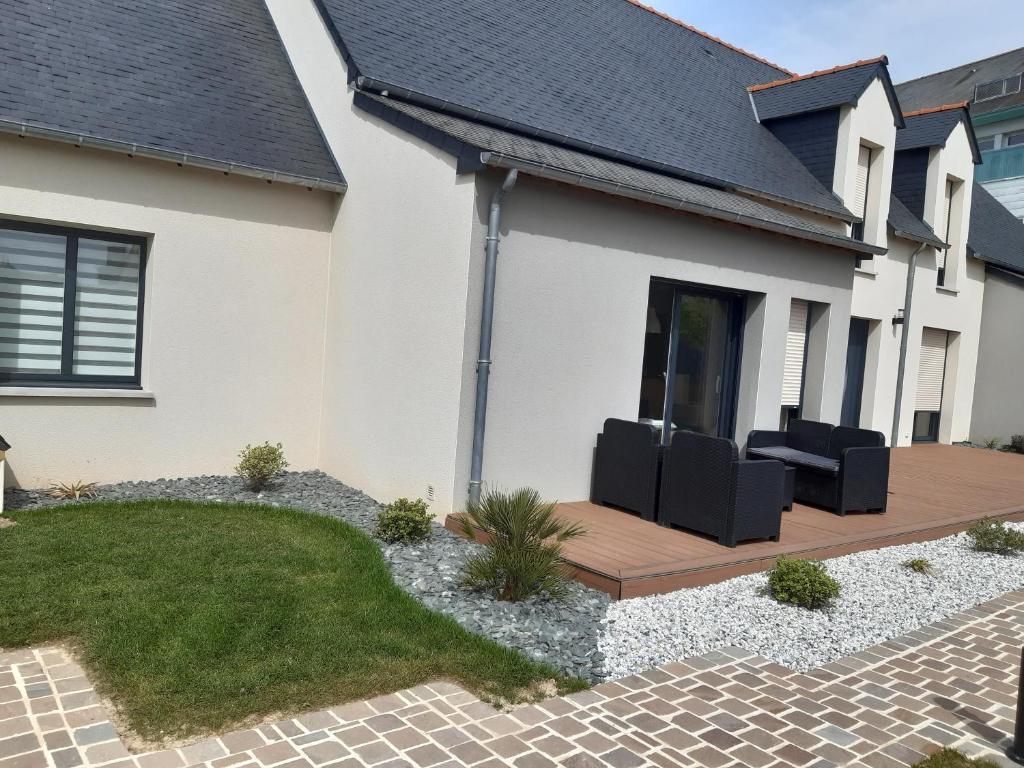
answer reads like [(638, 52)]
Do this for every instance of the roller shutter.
[(931, 370), (860, 192), (796, 343)]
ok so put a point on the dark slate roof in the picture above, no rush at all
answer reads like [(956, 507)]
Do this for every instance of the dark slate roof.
[(478, 146), (210, 80), (603, 76), (905, 224), (823, 90), (957, 84), (996, 235), (931, 129)]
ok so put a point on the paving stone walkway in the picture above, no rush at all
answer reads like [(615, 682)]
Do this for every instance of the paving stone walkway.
[(952, 683)]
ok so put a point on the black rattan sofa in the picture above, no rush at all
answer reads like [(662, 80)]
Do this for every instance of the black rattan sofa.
[(706, 487), (840, 468), (627, 464)]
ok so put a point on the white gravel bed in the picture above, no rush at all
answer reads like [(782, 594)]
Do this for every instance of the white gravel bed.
[(880, 599)]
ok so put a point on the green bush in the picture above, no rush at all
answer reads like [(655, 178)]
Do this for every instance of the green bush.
[(259, 463), (805, 583), (524, 538), (1016, 443), (918, 565), (992, 443), (952, 758), (993, 536), (404, 522)]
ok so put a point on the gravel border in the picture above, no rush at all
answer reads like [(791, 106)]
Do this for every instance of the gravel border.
[(563, 634), (880, 600)]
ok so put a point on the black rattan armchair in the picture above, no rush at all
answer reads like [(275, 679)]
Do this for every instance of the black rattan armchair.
[(706, 487), (627, 465)]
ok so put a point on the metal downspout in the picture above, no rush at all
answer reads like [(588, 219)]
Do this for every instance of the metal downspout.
[(901, 371), (483, 363)]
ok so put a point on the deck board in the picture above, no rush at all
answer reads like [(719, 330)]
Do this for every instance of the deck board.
[(934, 491)]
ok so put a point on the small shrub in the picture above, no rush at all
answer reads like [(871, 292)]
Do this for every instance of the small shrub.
[(953, 758), (259, 463), (805, 583), (1016, 443), (76, 491), (918, 565), (524, 540), (992, 443), (993, 536), (404, 522)]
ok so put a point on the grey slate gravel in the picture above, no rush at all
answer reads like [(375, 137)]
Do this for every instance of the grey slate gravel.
[(563, 633)]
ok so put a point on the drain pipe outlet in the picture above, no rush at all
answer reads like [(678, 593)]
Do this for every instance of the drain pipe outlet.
[(904, 336), (483, 363)]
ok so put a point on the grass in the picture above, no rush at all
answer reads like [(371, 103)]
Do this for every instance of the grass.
[(195, 617), (952, 758), (918, 565)]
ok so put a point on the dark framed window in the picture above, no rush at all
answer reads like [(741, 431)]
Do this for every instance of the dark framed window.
[(71, 305), (986, 143)]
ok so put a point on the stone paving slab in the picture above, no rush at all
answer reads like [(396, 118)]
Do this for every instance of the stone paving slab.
[(951, 683)]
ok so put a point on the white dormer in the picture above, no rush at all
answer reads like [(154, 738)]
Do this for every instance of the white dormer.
[(947, 202), (863, 164)]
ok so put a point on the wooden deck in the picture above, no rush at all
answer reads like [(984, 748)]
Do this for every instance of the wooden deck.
[(934, 491)]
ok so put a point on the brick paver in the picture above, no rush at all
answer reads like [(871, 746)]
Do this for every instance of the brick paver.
[(951, 683)]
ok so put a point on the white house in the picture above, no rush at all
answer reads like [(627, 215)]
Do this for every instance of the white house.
[(278, 225)]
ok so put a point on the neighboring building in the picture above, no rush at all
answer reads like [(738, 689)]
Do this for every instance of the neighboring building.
[(994, 88), (998, 404), (726, 246)]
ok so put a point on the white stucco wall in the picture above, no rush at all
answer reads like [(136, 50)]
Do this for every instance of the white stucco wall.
[(869, 122), (397, 287), (879, 291), (570, 318), (998, 405), (233, 326)]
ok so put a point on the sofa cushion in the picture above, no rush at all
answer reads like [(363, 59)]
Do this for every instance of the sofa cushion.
[(797, 458), (809, 436)]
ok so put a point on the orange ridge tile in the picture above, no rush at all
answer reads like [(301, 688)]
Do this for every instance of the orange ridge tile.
[(940, 108), (818, 73)]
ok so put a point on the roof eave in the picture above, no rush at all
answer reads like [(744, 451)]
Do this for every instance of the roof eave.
[(499, 160), (25, 130), (997, 264), (916, 238)]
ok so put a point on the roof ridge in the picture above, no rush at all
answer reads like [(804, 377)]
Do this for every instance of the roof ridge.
[(960, 66), (708, 36), (940, 108), (818, 73)]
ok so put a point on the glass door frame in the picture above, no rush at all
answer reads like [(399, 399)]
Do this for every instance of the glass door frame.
[(736, 302)]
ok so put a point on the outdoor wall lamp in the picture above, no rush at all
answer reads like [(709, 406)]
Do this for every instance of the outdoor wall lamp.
[(898, 319)]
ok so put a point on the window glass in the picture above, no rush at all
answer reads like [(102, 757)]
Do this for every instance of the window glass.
[(1014, 139), (31, 301), (987, 143), (106, 308)]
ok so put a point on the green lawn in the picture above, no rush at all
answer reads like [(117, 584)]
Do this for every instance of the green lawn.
[(197, 616)]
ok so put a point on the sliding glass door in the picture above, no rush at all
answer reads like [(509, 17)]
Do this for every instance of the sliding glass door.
[(691, 359)]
